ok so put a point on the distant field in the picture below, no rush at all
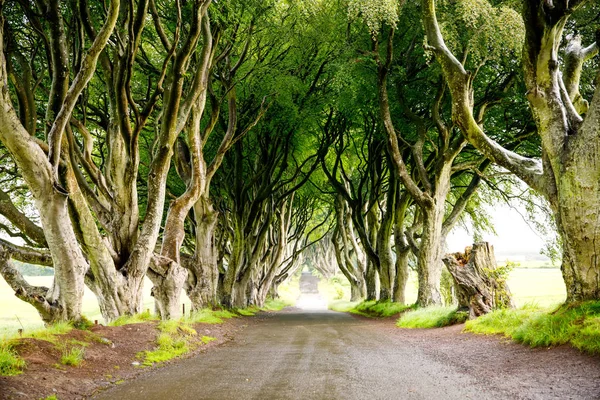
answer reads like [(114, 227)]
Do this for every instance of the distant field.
[(531, 263), (543, 286)]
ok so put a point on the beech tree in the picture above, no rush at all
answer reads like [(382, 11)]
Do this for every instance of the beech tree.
[(566, 174)]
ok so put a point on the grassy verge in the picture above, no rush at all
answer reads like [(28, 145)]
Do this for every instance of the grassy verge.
[(176, 338), (431, 317), (373, 309), (342, 305), (575, 324), (134, 319), (380, 309)]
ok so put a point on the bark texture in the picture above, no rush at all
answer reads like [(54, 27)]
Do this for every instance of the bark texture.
[(478, 289)]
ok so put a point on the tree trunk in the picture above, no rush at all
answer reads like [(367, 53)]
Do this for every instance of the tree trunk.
[(429, 262), (66, 293), (402, 273), (203, 277), (168, 278), (477, 288)]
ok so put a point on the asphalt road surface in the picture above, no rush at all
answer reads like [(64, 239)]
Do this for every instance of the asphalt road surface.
[(327, 355), (313, 353)]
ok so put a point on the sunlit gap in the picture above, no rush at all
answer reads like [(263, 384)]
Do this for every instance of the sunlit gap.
[(310, 299)]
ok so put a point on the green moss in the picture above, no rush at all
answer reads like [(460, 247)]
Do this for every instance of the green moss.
[(208, 339), (576, 324), (431, 317), (10, 362)]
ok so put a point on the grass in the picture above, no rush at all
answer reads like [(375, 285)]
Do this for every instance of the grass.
[(10, 363), (342, 305), (575, 324), (380, 309), (176, 338), (134, 319), (246, 312), (431, 317), (276, 304), (72, 356), (505, 321)]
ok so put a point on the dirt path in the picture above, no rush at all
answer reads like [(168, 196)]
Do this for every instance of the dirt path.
[(325, 355)]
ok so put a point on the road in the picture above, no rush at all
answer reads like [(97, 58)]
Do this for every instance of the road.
[(319, 354), (327, 355)]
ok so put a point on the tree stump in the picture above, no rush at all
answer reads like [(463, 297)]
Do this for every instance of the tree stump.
[(479, 287)]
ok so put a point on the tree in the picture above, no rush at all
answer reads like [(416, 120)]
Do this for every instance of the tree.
[(567, 174)]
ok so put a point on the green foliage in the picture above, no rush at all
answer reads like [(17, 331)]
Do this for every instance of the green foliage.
[(374, 13), (431, 317), (72, 356), (499, 275), (485, 31), (576, 324), (51, 397), (10, 362), (134, 319)]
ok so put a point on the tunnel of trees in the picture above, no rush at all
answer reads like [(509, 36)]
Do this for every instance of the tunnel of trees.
[(215, 147)]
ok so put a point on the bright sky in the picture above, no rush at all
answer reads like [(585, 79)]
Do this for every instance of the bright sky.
[(514, 236)]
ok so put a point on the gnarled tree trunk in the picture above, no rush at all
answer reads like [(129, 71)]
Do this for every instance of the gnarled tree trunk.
[(477, 289)]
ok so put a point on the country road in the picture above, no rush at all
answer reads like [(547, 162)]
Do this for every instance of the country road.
[(312, 354)]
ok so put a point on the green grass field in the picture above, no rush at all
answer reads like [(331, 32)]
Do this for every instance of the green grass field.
[(541, 286)]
